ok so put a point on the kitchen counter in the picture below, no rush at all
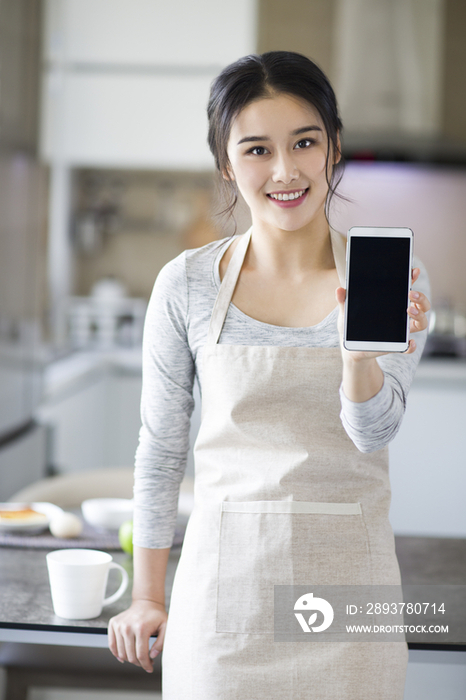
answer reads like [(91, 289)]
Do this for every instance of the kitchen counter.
[(61, 374), (441, 368), (438, 564), (38, 649), (26, 613), (432, 560)]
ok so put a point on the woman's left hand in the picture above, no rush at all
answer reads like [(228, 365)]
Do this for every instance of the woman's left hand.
[(417, 310)]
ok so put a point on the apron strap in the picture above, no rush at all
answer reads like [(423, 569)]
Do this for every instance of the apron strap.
[(228, 285), (226, 289)]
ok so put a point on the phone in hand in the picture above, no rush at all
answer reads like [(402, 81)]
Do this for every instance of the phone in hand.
[(378, 281)]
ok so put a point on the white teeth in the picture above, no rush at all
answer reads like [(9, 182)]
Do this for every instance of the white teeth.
[(286, 197)]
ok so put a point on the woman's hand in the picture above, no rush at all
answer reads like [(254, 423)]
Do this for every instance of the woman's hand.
[(129, 633), (417, 313)]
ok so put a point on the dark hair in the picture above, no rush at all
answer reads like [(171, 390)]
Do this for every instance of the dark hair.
[(258, 76)]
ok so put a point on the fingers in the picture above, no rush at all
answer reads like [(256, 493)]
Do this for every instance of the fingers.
[(128, 639), (420, 300), (417, 311), (158, 644), (411, 347), (120, 642), (415, 272), (141, 651), (112, 642), (340, 295)]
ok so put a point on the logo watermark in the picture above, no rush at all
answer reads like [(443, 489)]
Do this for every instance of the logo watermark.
[(415, 613), (307, 602)]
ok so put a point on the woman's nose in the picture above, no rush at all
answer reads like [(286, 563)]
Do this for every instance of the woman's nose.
[(284, 169)]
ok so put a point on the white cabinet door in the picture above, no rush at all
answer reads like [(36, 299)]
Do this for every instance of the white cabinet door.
[(428, 461), (78, 426), (137, 121), (150, 32), (123, 419), (95, 423), (23, 461)]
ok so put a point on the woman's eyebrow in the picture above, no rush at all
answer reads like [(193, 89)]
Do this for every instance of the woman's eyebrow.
[(295, 132), (253, 138), (303, 129)]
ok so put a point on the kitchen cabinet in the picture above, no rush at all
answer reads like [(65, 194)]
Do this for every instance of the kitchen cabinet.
[(427, 457), (23, 460), (91, 406), (77, 423), (145, 121), (92, 409), (149, 32), (123, 421), (126, 82)]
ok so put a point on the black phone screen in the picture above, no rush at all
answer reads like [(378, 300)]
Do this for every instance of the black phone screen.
[(378, 286)]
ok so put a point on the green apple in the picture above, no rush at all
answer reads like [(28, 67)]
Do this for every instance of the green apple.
[(125, 535)]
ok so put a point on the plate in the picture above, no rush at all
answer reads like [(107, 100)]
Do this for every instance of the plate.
[(29, 525)]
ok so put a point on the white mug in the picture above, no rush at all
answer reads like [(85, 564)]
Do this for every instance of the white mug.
[(78, 579)]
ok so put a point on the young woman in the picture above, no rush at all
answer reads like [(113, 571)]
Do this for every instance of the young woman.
[(291, 460)]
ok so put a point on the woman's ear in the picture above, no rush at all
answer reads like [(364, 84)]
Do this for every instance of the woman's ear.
[(337, 154), (228, 174)]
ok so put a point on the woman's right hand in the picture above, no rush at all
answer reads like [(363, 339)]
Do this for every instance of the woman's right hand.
[(129, 633)]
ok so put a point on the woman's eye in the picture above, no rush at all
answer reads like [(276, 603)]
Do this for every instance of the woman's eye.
[(304, 143), (258, 150)]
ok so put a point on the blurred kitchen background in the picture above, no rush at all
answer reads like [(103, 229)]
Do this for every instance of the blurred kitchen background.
[(105, 175)]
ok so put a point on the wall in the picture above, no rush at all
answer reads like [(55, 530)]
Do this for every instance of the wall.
[(128, 224), (305, 26), (428, 199)]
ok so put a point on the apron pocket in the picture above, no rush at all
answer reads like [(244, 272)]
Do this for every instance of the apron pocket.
[(267, 543)]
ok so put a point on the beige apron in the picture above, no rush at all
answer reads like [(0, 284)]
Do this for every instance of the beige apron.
[(282, 496)]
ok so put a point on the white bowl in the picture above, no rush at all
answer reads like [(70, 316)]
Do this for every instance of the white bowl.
[(107, 513)]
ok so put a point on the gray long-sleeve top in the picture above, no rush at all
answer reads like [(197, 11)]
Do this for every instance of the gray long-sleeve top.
[(175, 332)]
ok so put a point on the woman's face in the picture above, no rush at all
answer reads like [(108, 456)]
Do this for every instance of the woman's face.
[(277, 152)]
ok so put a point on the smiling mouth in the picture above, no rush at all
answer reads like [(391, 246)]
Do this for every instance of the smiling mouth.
[(287, 196)]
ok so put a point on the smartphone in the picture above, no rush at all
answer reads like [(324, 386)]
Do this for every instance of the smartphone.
[(378, 281)]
